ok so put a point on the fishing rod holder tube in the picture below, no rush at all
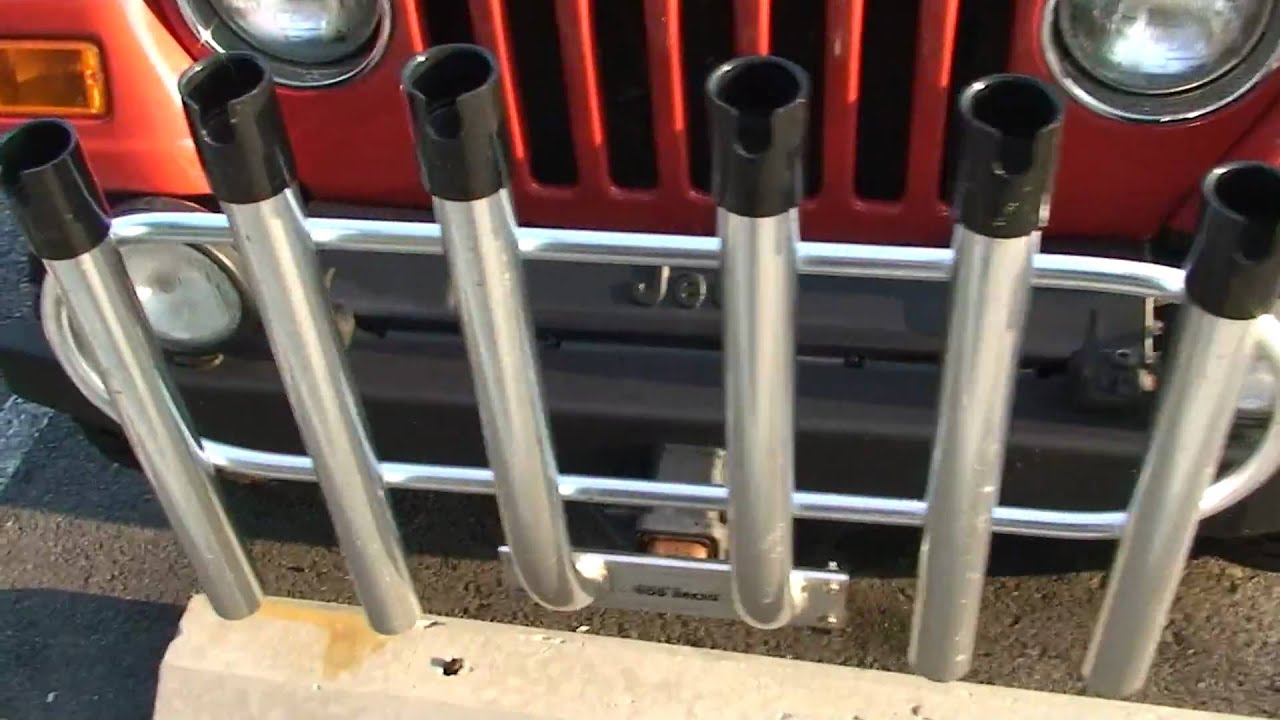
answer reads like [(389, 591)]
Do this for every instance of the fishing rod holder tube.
[(758, 109), (455, 106), (235, 121), (1233, 277), (1009, 127), (60, 210)]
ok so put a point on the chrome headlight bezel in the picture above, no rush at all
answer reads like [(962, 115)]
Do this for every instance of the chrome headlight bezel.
[(1111, 101), (208, 24)]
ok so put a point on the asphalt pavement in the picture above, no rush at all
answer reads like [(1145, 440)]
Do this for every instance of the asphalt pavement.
[(92, 584)]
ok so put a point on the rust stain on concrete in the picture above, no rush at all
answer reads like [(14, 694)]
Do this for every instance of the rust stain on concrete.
[(350, 640)]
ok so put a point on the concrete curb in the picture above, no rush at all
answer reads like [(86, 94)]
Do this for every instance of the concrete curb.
[(321, 661)]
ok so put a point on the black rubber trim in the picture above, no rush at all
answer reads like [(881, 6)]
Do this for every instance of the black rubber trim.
[(231, 107), (51, 190), (759, 111), (1233, 270), (1009, 127), (458, 124), (836, 317)]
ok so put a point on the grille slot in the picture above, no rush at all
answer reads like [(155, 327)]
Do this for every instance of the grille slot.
[(535, 42), (885, 82), (799, 34), (981, 48), (706, 40), (625, 90), (448, 21)]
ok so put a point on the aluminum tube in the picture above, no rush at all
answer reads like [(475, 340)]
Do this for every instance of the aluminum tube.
[(109, 318), (239, 135), (1051, 271), (1233, 277), (1197, 407), (1008, 126), (286, 279), (759, 285), (455, 104), (990, 297), (1009, 520), (60, 210), (484, 264), (757, 115)]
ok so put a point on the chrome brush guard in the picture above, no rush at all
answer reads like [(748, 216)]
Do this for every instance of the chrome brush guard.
[(758, 108), (1160, 283)]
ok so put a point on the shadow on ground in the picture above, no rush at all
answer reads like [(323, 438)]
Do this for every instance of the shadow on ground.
[(71, 655)]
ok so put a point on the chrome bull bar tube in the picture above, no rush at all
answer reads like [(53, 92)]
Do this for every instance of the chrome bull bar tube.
[(60, 209), (1008, 155), (1159, 282), (235, 122), (1233, 273), (759, 108), (453, 97)]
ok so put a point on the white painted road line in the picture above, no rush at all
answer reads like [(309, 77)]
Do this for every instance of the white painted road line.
[(20, 424)]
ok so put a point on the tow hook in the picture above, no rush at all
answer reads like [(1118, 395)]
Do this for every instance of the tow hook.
[(681, 532)]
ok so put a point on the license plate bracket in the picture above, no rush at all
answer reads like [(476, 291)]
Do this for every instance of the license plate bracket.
[(631, 581)]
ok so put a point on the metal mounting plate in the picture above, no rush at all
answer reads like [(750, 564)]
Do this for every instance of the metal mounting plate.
[(694, 587)]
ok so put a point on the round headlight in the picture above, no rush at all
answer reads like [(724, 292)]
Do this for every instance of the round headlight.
[(189, 300), (1160, 46), (304, 31), (1159, 60), (307, 43)]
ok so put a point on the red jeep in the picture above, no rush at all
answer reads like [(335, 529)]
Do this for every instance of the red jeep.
[(608, 132)]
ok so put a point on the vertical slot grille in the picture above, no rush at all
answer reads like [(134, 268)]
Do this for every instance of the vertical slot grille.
[(616, 100), (706, 40), (624, 84), (448, 21), (982, 45), (535, 43), (886, 80), (799, 34)]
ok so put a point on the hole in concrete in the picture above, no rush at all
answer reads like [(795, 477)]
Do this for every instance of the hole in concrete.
[(447, 666)]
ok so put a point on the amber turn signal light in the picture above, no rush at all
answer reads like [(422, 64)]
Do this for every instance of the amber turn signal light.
[(51, 77)]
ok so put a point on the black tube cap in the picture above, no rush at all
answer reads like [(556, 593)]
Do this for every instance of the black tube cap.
[(53, 195), (235, 121), (455, 104), (1233, 269), (1009, 127), (759, 111)]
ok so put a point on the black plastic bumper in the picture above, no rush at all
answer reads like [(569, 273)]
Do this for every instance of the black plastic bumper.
[(860, 429)]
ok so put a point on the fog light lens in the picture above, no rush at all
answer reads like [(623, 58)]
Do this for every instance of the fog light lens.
[(188, 298), (52, 77)]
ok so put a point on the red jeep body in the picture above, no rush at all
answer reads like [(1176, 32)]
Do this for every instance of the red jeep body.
[(1119, 181)]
